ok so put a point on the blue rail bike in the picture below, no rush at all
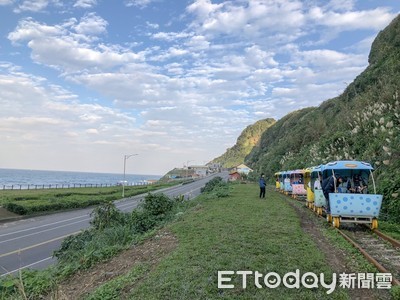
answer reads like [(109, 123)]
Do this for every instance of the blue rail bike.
[(319, 199), (355, 200)]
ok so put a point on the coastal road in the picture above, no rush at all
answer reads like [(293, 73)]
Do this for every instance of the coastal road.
[(29, 243)]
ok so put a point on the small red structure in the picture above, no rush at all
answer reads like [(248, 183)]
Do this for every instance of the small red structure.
[(235, 176)]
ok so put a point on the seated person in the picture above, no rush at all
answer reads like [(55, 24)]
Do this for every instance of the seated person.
[(356, 184), (317, 184)]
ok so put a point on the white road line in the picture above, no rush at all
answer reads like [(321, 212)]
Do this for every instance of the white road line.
[(36, 227), (39, 244), (27, 266), (35, 233)]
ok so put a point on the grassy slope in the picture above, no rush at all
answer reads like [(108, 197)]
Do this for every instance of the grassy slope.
[(240, 232), (249, 137)]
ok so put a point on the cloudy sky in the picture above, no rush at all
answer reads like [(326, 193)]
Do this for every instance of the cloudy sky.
[(83, 82)]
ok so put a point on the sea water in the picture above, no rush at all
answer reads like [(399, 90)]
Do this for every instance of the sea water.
[(17, 177)]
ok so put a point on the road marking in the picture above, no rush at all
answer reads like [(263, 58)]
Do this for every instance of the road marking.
[(27, 266), (36, 227), (34, 233), (37, 245)]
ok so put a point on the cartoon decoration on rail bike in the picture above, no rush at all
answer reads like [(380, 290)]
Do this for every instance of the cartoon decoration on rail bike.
[(287, 186), (341, 189), (282, 182), (297, 183), (282, 177), (277, 181), (307, 187), (316, 185)]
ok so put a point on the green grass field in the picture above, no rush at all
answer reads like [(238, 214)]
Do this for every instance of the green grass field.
[(27, 202), (239, 232)]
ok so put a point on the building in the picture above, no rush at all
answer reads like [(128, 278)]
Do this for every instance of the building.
[(243, 169), (200, 171), (234, 176)]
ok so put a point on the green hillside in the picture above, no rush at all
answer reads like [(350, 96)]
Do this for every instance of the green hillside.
[(363, 124), (249, 137)]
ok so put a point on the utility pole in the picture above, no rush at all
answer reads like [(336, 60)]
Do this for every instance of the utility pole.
[(126, 156)]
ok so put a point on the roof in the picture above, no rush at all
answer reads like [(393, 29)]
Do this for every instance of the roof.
[(233, 173), (243, 166), (347, 165)]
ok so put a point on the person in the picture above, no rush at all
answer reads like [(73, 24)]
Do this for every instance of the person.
[(356, 184), (329, 185), (262, 185), (317, 182)]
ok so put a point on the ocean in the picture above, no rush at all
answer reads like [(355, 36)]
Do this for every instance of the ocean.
[(24, 178)]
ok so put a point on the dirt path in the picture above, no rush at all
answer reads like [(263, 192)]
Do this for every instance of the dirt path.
[(337, 258), (150, 252)]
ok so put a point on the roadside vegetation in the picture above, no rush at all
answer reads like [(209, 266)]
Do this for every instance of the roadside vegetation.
[(28, 202), (111, 232)]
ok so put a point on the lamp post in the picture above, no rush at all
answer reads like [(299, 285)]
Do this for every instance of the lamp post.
[(187, 168), (126, 156)]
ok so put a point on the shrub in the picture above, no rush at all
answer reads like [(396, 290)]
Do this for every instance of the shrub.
[(142, 221), (210, 185), (216, 187), (157, 204), (73, 244), (105, 215)]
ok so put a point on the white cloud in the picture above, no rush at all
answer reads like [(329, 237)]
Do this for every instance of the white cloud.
[(352, 20), (340, 5), (248, 19), (6, 2), (91, 24), (85, 3), (32, 5), (170, 36), (58, 46), (138, 3)]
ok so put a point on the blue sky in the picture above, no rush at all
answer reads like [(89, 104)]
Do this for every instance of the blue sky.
[(83, 82)]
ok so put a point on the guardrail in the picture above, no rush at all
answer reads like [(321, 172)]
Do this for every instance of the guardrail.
[(66, 186)]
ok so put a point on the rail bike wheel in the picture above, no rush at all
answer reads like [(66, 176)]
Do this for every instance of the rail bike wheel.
[(336, 222), (374, 224)]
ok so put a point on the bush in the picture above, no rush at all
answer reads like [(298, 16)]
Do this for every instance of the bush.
[(216, 187), (73, 244), (142, 221), (157, 204), (105, 215), (210, 185)]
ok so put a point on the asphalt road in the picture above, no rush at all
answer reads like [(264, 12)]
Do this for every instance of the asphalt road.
[(29, 243)]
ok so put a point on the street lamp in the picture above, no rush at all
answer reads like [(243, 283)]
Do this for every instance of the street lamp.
[(126, 156), (187, 168)]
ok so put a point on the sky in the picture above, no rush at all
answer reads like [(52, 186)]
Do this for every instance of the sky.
[(85, 82)]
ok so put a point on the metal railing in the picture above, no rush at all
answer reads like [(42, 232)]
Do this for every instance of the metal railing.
[(67, 186)]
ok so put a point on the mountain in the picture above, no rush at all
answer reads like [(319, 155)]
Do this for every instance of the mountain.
[(363, 123), (249, 137)]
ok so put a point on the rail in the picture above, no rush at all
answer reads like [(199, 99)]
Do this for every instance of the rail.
[(370, 258)]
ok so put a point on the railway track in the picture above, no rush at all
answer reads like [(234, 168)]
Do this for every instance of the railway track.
[(378, 248)]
